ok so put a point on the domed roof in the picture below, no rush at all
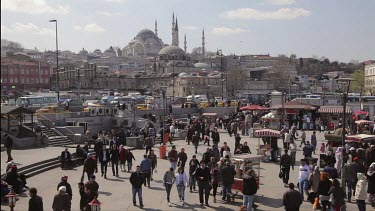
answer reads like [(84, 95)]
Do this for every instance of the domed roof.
[(110, 49), (83, 51), (145, 31), (97, 51), (170, 50), (201, 65)]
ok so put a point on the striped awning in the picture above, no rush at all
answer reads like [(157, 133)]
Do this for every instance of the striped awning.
[(333, 110), (364, 122), (267, 133)]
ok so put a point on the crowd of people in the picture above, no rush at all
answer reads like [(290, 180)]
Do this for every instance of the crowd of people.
[(214, 169)]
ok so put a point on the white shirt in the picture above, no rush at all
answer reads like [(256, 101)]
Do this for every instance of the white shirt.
[(104, 155), (304, 172), (171, 128), (308, 119)]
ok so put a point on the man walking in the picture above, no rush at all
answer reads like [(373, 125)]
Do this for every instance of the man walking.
[(89, 166), (303, 177), (285, 163), (172, 157), (148, 144), (195, 141), (104, 158), (227, 174), (313, 140), (168, 181), (292, 199), (215, 137), (203, 177), (293, 151), (193, 165), (9, 145), (182, 158), (136, 179), (35, 202), (154, 162), (146, 168), (303, 137)]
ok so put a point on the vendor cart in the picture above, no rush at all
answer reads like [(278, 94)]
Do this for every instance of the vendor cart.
[(360, 138), (242, 163), (265, 150), (364, 126)]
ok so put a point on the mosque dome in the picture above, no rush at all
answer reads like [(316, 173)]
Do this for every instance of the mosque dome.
[(110, 49), (97, 51), (172, 50), (83, 51), (145, 34)]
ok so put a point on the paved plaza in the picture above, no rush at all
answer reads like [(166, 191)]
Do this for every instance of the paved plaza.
[(115, 192)]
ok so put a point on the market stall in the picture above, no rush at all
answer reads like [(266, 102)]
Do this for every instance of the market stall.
[(363, 126), (331, 116), (265, 149), (242, 163), (360, 138)]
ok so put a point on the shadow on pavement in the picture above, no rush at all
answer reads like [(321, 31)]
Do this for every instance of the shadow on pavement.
[(104, 193), (116, 180), (157, 188), (270, 202)]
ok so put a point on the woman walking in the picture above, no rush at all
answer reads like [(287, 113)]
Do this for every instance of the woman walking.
[(167, 183), (360, 192), (371, 184), (216, 179), (314, 179), (182, 182), (323, 189), (338, 195)]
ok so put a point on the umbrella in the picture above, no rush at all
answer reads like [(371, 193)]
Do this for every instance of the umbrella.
[(254, 107), (360, 112)]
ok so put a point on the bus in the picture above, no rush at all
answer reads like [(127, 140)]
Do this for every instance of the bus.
[(36, 101)]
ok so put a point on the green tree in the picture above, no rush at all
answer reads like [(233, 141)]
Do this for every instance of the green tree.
[(358, 85)]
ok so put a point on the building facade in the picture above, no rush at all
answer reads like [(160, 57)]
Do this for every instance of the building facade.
[(370, 76)]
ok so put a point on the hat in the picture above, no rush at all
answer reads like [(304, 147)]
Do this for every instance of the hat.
[(352, 149), (62, 189)]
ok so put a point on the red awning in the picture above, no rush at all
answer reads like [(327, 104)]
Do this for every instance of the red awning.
[(267, 133), (359, 112), (333, 110), (254, 107)]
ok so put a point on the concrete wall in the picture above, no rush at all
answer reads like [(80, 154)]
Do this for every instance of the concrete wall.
[(23, 143), (95, 123)]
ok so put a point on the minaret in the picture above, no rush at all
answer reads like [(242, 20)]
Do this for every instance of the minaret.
[(176, 42), (203, 45), (185, 47), (156, 28)]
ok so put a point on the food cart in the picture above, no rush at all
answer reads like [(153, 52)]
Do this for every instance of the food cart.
[(360, 138), (242, 163), (364, 126), (331, 116), (264, 150)]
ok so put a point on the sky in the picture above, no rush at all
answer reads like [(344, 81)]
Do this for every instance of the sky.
[(341, 30)]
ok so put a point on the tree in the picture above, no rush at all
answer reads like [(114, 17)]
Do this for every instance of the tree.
[(358, 85)]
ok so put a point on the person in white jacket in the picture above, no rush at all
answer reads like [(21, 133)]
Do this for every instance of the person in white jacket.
[(361, 192), (182, 181)]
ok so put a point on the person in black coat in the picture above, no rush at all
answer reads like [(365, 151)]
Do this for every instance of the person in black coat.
[(64, 182), (115, 159), (136, 179), (104, 156), (82, 193), (227, 174), (215, 137), (203, 177), (8, 145), (35, 202), (65, 158), (249, 188)]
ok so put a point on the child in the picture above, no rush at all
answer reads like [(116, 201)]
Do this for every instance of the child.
[(322, 148)]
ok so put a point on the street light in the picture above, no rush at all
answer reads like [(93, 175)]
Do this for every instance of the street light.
[(163, 90), (11, 199), (95, 204), (221, 70), (57, 64), (344, 82)]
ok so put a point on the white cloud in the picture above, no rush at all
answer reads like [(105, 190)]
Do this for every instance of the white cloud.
[(33, 7), (253, 14), (227, 31), (108, 14), (92, 27), (190, 27), (281, 2), (27, 28)]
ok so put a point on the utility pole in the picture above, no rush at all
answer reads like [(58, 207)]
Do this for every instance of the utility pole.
[(57, 65), (79, 85)]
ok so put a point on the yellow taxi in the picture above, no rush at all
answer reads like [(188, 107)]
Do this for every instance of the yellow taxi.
[(142, 107), (220, 104), (49, 110), (203, 104), (233, 103)]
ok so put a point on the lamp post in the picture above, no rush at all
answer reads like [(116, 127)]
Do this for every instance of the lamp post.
[(163, 91), (344, 81), (57, 64), (11, 199), (221, 70), (134, 124), (95, 204), (222, 87)]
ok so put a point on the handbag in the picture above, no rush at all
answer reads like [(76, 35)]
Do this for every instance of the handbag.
[(281, 174)]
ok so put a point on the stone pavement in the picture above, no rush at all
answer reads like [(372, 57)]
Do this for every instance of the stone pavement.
[(115, 192)]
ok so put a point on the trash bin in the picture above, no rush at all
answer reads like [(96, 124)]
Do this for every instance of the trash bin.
[(163, 151), (166, 138)]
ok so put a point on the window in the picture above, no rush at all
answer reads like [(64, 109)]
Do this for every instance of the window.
[(5, 80), (16, 80), (22, 71), (27, 71), (22, 80), (11, 80)]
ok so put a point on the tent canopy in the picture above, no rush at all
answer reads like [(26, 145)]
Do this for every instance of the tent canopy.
[(254, 107), (359, 138), (333, 110), (267, 133), (364, 122)]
